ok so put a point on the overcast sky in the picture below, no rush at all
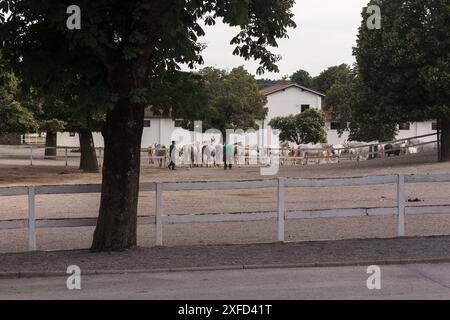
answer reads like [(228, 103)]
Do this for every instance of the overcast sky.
[(325, 34)]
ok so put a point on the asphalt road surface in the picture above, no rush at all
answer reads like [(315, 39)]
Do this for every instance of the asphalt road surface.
[(421, 281)]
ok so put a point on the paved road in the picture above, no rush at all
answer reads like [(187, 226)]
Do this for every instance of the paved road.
[(426, 281)]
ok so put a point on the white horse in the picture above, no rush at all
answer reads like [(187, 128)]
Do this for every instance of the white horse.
[(284, 153), (239, 154), (186, 155), (196, 154), (219, 155), (208, 155), (337, 150), (162, 154), (152, 153)]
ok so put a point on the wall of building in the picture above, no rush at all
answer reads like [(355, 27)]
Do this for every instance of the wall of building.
[(334, 138), (416, 129), (288, 102), (66, 139), (160, 131), (283, 103)]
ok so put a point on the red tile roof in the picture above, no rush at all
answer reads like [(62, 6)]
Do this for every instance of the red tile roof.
[(285, 85)]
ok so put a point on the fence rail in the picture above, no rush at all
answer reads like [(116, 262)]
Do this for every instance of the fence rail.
[(280, 216)]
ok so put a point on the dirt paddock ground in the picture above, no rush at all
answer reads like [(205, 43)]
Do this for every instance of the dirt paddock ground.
[(15, 173)]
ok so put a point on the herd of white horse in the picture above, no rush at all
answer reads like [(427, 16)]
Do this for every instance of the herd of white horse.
[(211, 154)]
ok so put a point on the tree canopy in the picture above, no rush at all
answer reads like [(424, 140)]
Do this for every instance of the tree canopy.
[(15, 117), (325, 80), (302, 78), (233, 100), (406, 63), (264, 83), (303, 128), (349, 102), (115, 34)]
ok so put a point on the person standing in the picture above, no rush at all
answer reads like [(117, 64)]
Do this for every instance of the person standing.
[(227, 149), (172, 156)]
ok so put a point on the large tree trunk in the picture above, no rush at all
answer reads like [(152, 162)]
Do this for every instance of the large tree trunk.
[(88, 160), (117, 222), (444, 152), (50, 141)]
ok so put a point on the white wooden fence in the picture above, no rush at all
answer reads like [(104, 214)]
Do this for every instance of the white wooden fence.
[(159, 219)]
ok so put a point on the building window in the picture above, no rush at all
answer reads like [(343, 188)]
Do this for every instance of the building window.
[(72, 134), (335, 125), (178, 123), (434, 125), (404, 126), (147, 123), (304, 107)]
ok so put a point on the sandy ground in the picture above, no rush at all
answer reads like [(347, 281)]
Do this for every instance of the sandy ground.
[(15, 172)]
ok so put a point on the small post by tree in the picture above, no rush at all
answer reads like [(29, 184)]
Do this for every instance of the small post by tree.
[(51, 128)]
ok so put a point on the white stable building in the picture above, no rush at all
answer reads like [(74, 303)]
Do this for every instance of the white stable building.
[(157, 130), (283, 99), (286, 99)]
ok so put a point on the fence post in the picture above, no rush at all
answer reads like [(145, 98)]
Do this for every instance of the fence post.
[(158, 214), (31, 219), (66, 157), (31, 155), (281, 209), (401, 205)]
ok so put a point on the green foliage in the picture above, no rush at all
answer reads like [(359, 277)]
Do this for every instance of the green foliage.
[(233, 100), (303, 128), (124, 45), (337, 82), (350, 102), (369, 131), (53, 125), (180, 95), (403, 70), (406, 63), (264, 83), (131, 51), (325, 80), (14, 118), (302, 78), (14, 115)]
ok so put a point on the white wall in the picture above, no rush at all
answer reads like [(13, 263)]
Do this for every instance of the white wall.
[(334, 138), (288, 102), (63, 139), (161, 131), (416, 129)]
